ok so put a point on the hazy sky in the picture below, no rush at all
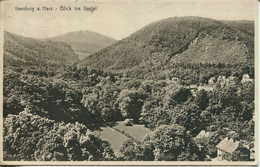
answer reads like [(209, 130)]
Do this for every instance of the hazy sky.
[(115, 18)]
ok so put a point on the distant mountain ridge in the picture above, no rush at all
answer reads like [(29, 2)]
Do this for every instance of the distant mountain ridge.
[(85, 41), (21, 51), (179, 39)]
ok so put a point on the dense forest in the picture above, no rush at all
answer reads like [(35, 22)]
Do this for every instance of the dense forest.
[(178, 39), (56, 109), (70, 101)]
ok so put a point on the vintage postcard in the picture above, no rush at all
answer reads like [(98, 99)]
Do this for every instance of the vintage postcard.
[(129, 82)]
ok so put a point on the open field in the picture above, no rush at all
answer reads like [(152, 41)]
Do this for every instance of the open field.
[(116, 139), (136, 131)]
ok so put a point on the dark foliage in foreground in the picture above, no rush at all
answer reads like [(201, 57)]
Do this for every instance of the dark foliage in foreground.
[(30, 137)]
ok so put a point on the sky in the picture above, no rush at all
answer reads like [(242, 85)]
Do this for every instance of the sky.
[(114, 18)]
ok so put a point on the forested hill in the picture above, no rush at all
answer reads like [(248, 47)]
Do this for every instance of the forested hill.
[(179, 39), (20, 52), (85, 41)]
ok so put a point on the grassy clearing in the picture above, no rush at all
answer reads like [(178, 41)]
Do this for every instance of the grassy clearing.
[(136, 131), (116, 139)]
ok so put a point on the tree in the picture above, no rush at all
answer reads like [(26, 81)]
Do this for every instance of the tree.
[(21, 134), (211, 149), (148, 148), (29, 137), (188, 116), (132, 151), (181, 95), (206, 118), (131, 102), (228, 96), (239, 155), (171, 144), (136, 151), (101, 102), (154, 113), (201, 99), (247, 111), (248, 92)]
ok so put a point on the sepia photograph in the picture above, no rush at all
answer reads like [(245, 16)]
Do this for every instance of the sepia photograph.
[(119, 82)]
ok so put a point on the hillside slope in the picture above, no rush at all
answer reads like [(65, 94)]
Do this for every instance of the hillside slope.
[(179, 39), (19, 51), (85, 41)]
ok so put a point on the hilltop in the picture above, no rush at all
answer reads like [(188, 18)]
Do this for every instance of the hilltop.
[(84, 41), (21, 51), (176, 40)]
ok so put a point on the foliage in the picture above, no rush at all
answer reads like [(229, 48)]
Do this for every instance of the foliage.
[(44, 98), (185, 39), (131, 102), (171, 143), (239, 155), (30, 137), (132, 151), (28, 52), (136, 151)]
